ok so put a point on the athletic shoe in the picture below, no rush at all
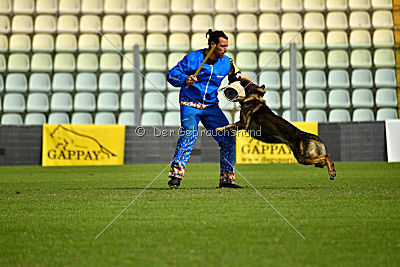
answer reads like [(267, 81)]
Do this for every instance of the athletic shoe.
[(174, 183), (229, 185)]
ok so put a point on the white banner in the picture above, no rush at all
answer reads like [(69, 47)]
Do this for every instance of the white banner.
[(393, 140)]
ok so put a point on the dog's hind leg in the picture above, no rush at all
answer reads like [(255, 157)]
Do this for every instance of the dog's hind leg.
[(321, 160)]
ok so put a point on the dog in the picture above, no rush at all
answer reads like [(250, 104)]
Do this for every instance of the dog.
[(307, 148)]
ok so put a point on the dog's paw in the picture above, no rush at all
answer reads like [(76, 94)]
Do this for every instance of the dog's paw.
[(220, 129)]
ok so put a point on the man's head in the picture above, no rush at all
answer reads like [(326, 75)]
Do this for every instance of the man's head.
[(220, 39)]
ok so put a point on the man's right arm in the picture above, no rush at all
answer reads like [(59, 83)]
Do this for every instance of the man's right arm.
[(177, 75)]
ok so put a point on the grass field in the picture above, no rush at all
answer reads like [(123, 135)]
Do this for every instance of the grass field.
[(50, 216)]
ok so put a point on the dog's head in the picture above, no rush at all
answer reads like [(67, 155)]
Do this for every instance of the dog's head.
[(241, 86)]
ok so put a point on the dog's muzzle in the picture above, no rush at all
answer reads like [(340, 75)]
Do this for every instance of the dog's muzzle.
[(233, 91)]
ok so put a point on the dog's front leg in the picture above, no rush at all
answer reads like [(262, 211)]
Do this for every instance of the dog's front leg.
[(233, 126)]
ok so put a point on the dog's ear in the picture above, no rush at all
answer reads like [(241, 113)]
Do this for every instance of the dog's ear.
[(263, 86)]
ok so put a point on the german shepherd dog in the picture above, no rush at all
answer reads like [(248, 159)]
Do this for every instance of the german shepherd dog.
[(307, 148)]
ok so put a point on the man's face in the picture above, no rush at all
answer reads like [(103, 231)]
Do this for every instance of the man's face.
[(221, 48)]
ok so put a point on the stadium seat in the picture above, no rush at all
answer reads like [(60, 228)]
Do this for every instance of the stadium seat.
[(42, 43), (112, 24), (156, 42), (386, 114), (172, 118), (386, 97), (246, 60), (67, 24), (201, 23), (359, 20), (181, 6), (232, 41), (339, 98), (338, 79), (24, 6), (269, 41), (361, 78), (87, 62), (286, 99), (270, 6), (1, 86), (5, 7), (361, 58), (81, 118), (18, 62), (153, 101), (314, 40), (174, 58), (246, 41), (272, 99), (110, 62), (136, 6), (336, 5), (338, 59), (159, 6), (337, 39), (314, 21), (384, 58), (314, 59), (385, 78), (247, 6), (16, 82), (90, 24), (292, 37), (315, 79), (336, 21), (173, 101), (4, 24), (224, 22), (66, 42), (382, 19), (268, 61), (114, 6), (69, 6), (286, 80), (157, 23), (45, 24), (127, 101), (339, 115), (155, 81), (127, 83), (58, 118), (84, 102), (314, 5), (132, 39), (88, 42), (178, 42), (317, 115), (363, 114), (63, 82), (286, 60), (37, 102), (246, 22), (152, 119), (225, 6), (128, 62), (3, 43), (2, 63), (86, 82), (383, 38), (109, 81), (41, 62), (20, 43), (126, 118), (382, 4), (39, 82), (270, 79), (11, 119), (135, 23), (110, 42), (287, 113), (362, 98), (251, 74), (14, 103), (360, 39), (224, 104), (35, 119), (359, 4), (291, 22), (156, 62), (22, 24), (269, 22), (292, 5), (203, 6), (315, 99), (107, 101), (179, 23), (61, 102), (92, 6)]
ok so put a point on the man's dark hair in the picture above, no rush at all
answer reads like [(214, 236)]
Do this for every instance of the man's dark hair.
[(213, 36)]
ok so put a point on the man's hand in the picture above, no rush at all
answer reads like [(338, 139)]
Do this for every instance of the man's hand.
[(190, 80)]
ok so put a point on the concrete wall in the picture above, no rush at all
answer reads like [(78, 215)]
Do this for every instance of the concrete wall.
[(21, 145)]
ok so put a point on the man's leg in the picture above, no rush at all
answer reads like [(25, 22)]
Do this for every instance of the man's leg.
[(213, 118)]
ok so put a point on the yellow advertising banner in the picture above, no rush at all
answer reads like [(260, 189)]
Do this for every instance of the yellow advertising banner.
[(67, 145), (250, 150)]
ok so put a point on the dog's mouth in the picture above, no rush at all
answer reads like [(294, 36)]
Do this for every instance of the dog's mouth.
[(233, 91)]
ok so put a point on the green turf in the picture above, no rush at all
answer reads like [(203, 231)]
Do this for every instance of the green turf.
[(50, 216)]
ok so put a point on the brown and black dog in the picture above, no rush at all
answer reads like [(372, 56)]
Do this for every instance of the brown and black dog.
[(307, 148)]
